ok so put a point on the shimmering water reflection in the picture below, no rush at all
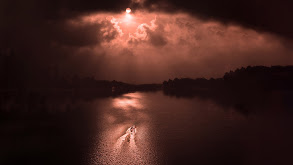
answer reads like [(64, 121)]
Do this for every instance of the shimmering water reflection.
[(146, 128), (124, 138), (170, 130)]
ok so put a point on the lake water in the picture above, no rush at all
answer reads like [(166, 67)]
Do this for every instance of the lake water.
[(166, 130)]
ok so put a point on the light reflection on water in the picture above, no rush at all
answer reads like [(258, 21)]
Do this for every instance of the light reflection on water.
[(169, 130), (117, 144), (128, 101), (173, 130)]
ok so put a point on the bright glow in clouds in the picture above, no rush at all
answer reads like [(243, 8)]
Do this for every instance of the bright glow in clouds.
[(145, 47)]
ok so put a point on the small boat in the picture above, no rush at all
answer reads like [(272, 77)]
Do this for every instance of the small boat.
[(131, 129)]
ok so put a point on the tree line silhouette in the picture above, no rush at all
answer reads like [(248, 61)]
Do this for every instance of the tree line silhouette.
[(249, 78), (244, 89)]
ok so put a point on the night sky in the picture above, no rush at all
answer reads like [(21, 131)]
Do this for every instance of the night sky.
[(158, 40)]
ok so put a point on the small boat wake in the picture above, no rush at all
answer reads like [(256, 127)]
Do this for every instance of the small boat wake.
[(127, 149), (127, 137)]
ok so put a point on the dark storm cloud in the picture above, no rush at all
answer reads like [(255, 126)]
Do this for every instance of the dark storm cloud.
[(66, 34), (96, 38), (31, 19), (43, 35), (79, 34), (269, 15), (161, 45), (53, 8)]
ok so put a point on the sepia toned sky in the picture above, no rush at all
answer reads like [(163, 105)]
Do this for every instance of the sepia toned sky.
[(158, 40)]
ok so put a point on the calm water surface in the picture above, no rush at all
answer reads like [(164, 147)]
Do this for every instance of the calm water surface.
[(172, 130), (168, 130)]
